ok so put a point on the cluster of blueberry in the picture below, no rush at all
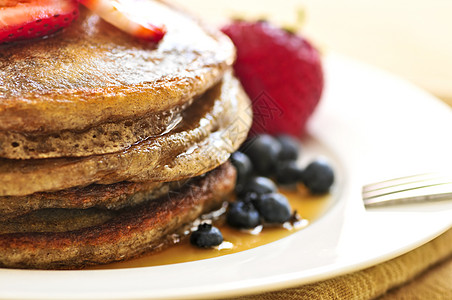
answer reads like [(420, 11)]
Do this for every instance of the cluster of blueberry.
[(258, 201), (277, 157)]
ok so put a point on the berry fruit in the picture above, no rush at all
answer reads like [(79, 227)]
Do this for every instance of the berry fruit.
[(281, 73), (288, 172), (132, 16), (244, 168), (290, 147), (242, 215), (206, 236), (24, 19), (259, 186), (318, 177), (263, 150), (274, 208)]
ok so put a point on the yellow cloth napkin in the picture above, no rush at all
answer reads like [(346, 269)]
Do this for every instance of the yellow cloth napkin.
[(424, 273), (448, 100)]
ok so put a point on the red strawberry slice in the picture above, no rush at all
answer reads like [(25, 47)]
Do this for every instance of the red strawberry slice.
[(27, 19), (132, 16), (281, 73)]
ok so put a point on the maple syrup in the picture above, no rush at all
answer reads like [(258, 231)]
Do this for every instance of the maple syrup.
[(308, 207)]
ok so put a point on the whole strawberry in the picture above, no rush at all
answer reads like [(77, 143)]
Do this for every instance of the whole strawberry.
[(281, 73)]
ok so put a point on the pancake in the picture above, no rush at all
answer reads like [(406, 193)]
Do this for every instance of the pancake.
[(112, 196), (93, 75), (123, 234), (210, 130), (111, 147), (104, 138)]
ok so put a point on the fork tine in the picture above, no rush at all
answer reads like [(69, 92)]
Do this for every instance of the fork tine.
[(404, 180), (404, 187), (422, 194), (405, 183), (415, 188)]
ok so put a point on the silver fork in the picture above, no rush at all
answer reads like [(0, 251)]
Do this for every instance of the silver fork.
[(419, 188)]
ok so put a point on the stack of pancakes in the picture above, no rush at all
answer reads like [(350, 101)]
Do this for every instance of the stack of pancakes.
[(111, 146)]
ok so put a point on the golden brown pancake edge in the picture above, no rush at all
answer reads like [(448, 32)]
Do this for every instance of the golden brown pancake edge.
[(211, 130), (131, 233), (92, 73)]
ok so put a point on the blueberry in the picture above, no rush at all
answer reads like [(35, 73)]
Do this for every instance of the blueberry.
[(274, 208), (288, 172), (259, 185), (290, 147), (318, 177), (206, 236), (244, 169), (249, 197), (243, 215), (263, 150)]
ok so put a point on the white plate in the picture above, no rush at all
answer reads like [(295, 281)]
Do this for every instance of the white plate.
[(375, 126)]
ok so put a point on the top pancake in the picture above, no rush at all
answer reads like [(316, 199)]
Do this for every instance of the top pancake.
[(92, 73)]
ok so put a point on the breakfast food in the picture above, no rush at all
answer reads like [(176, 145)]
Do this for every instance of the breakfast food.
[(281, 73), (22, 20), (131, 16), (110, 145), (206, 236), (266, 158), (200, 141), (55, 239)]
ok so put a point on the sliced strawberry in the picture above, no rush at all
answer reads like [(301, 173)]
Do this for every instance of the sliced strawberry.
[(131, 16), (26, 19)]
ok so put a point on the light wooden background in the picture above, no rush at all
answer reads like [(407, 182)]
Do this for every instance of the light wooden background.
[(410, 38)]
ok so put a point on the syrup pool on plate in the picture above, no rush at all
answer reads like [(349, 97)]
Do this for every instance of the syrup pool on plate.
[(308, 207)]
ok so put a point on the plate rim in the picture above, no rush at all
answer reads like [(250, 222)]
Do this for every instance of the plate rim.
[(249, 285)]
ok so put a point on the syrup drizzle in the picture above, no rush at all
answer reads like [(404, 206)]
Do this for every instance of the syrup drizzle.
[(308, 207)]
